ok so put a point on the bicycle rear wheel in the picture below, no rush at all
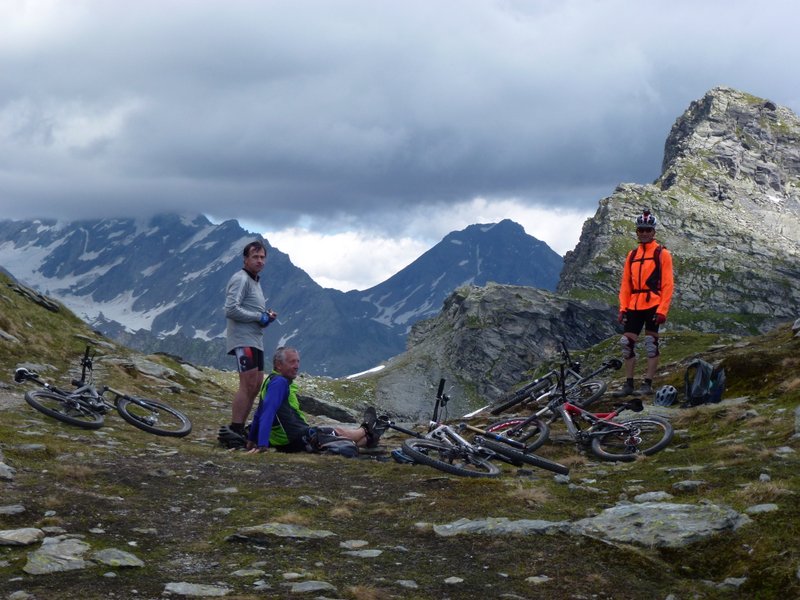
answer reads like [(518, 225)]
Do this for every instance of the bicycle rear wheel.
[(641, 436), (587, 392), (518, 458), (64, 408), (511, 399), (449, 458), (153, 416), (532, 433)]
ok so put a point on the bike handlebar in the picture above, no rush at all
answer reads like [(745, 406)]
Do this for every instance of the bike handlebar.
[(86, 363)]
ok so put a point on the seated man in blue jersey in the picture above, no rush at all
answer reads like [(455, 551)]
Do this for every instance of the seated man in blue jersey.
[(279, 422)]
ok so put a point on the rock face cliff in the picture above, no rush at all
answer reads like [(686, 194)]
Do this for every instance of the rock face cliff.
[(482, 342), (728, 204)]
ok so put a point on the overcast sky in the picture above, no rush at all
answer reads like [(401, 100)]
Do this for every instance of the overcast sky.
[(356, 134)]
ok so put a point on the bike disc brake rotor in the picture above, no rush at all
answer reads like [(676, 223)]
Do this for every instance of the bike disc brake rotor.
[(632, 443)]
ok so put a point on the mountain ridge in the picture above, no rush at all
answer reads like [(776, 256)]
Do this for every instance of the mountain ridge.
[(158, 285)]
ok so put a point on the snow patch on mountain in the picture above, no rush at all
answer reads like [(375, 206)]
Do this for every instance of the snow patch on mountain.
[(387, 314), (410, 317), (367, 372), (120, 309), (24, 262), (284, 340)]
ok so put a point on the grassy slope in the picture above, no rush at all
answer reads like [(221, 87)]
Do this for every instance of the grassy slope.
[(123, 482)]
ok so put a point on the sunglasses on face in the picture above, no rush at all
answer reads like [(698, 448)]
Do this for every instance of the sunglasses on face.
[(644, 230)]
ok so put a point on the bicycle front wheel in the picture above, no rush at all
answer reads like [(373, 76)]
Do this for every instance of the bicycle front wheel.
[(64, 408), (153, 416), (641, 436), (587, 392), (449, 458), (518, 458), (532, 433)]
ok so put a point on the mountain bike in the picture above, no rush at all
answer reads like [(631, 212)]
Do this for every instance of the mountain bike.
[(607, 438), (581, 390), (443, 448), (87, 406)]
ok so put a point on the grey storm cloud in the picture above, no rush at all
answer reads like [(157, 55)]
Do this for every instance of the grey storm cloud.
[(359, 107)]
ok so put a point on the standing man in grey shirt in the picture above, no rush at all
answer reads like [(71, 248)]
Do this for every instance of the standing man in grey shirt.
[(246, 318)]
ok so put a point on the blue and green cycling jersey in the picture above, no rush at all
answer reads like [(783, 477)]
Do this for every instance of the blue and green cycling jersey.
[(278, 420)]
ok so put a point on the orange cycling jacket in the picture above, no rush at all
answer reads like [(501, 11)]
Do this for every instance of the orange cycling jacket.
[(635, 292)]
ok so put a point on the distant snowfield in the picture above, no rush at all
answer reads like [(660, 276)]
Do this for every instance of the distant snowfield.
[(119, 309)]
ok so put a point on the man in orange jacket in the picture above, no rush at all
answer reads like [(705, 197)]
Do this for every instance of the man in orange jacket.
[(644, 297)]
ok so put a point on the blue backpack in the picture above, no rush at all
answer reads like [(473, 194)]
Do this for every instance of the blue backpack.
[(703, 383)]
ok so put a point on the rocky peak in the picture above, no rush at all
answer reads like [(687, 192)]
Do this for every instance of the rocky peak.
[(728, 204), (743, 137)]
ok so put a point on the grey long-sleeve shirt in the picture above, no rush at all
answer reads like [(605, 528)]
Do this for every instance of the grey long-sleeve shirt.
[(244, 304)]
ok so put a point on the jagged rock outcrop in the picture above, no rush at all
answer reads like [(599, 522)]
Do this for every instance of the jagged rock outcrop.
[(35, 296), (728, 204), (483, 341)]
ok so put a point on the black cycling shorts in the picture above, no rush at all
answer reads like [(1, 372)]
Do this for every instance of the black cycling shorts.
[(249, 358), (295, 445), (636, 319)]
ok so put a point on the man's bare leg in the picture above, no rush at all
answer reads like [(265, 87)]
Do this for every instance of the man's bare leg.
[(249, 384), (359, 436)]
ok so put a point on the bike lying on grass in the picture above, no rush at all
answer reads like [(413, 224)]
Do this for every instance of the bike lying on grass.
[(87, 406), (581, 390), (608, 438), (443, 448)]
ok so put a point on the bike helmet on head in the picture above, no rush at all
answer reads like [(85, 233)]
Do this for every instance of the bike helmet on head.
[(666, 395), (646, 219)]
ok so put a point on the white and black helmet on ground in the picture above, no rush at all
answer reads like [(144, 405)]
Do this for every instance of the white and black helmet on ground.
[(666, 395), (646, 220)]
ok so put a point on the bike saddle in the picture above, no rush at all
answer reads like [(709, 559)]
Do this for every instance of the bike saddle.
[(635, 405), (614, 363), (22, 374)]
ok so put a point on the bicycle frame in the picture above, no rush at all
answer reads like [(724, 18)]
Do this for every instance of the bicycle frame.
[(494, 436), (85, 390), (86, 406), (565, 373), (94, 398), (450, 450), (564, 379), (440, 431), (570, 414), (600, 422)]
